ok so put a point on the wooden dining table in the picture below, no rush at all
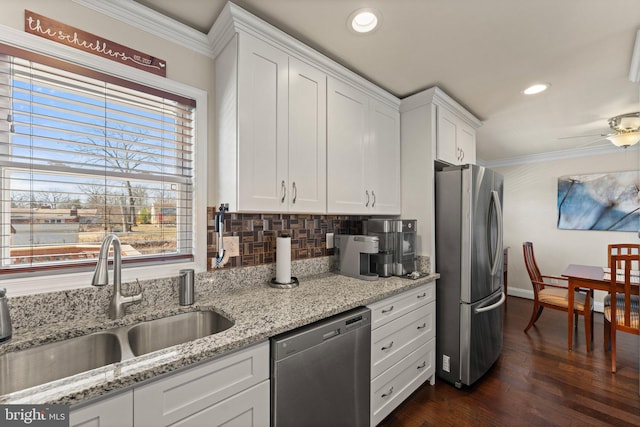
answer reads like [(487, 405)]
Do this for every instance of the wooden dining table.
[(588, 277)]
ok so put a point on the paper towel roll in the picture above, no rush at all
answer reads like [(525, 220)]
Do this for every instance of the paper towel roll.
[(283, 259)]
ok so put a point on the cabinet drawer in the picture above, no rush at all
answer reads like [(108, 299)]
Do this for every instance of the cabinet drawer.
[(249, 408), (183, 394), (396, 339), (393, 307), (396, 384)]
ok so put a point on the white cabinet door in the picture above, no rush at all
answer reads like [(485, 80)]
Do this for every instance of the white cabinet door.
[(456, 140), (262, 126), (307, 189), (115, 411), (347, 139), (249, 408), (181, 398), (466, 143), (446, 146), (383, 159)]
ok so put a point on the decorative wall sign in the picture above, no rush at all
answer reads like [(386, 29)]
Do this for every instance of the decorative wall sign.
[(70, 36), (609, 201)]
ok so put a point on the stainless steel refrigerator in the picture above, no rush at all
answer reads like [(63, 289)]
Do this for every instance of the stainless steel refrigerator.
[(470, 295)]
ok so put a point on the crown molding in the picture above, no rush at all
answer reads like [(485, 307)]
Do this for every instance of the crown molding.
[(150, 21), (557, 155), (439, 97), (634, 71)]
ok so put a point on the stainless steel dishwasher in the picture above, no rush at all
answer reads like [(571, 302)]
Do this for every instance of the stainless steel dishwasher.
[(321, 373)]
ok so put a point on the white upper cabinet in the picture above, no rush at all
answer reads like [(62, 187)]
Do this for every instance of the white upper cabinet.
[(272, 141), (274, 115), (262, 126), (347, 139), (363, 153), (383, 158), (307, 138), (448, 129), (456, 139)]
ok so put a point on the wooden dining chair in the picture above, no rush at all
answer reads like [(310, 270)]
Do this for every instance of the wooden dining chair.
[(619, 249), (551, 292), (623, 249), (623, 316)]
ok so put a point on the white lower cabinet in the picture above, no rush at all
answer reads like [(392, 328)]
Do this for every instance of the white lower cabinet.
[(402, 348), (229, 391), (113, 411), (363, 153), (249, 408), (223, 391)]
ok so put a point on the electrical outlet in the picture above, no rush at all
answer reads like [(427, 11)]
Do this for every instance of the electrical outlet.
[(446, 364), (231, 245), (329, 240)]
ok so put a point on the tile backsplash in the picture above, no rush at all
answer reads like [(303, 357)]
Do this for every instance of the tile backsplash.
[(257, 234)]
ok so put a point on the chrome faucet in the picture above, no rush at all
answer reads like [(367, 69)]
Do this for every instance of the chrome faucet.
[(118, 302)]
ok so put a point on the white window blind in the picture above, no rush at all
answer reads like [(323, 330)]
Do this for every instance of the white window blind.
[(84, 154)]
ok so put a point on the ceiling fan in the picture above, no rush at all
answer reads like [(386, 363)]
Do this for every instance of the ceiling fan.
[(625, 127)]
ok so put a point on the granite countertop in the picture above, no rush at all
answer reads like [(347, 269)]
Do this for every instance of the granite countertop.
[(259, 312)]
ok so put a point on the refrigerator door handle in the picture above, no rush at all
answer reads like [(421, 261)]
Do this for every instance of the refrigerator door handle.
[(503, 297), (495, 201)]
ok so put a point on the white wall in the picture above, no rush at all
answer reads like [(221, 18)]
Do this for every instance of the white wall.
[(530, 214)]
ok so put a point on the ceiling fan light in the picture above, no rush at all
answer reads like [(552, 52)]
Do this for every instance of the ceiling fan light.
[(624, 139)]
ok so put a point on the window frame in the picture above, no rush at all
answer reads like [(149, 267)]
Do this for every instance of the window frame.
[(60, 280)]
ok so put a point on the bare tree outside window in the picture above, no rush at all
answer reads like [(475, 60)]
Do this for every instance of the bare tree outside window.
[(120, 150)]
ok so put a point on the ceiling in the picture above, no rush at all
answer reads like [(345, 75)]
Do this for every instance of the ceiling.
[(482, 53)]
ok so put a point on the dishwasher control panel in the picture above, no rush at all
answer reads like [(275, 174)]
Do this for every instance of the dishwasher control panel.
[(303, 338)]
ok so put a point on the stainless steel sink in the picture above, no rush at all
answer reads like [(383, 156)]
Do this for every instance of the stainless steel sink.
[(180, 328), (42, 364), (45, 363)]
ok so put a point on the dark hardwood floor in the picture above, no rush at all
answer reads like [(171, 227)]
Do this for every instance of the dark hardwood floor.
[(537, 382)]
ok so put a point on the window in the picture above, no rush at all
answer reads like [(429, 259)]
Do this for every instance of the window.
[(83, 154)]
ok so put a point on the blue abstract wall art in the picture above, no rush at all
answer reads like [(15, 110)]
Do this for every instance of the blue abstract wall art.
[(607, 201)]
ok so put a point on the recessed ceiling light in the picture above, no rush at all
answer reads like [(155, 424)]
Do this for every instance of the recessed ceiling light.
[(364, 20), (536, 88)]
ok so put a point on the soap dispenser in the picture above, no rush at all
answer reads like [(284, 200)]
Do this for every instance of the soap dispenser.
[(5, 319)]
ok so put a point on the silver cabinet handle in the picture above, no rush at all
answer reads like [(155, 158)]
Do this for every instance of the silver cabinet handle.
[(422, 366), (461, 154), (387, 310), (424, 294), (366, 205), (284, 192), (387, 394), (374, 199), (387, 347), (295, 192), (424, 325)]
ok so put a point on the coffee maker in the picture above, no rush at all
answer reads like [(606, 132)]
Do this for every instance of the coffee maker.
[(353, 253), (396, 255)]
